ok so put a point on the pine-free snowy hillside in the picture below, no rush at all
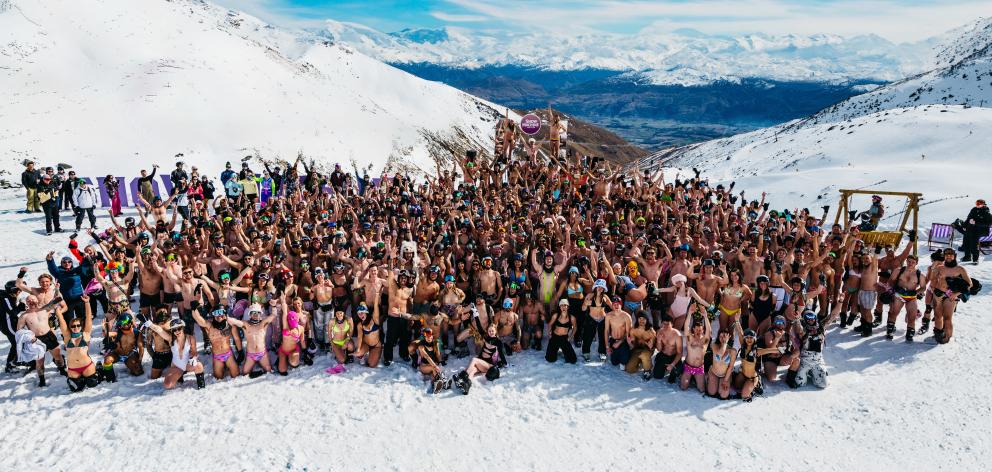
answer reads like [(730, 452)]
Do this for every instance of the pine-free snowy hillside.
[(929, 133), (962, 75), (940, 151), (114, 85)]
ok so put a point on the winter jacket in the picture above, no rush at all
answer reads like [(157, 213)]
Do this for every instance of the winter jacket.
[(228, 174), (982, 217), (31, 178), (85, 197), (70, 281)]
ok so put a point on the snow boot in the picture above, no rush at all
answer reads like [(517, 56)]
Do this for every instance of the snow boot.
[(938, 335), (441, 382), (41, 381), (463, 382), (586, 357), (646, 375), (878, 320), (254, 374), (865, 329), (62, 370), (909, 335), (201, 382), (790, 379), (890, 329), (924, 327), (843, 319)]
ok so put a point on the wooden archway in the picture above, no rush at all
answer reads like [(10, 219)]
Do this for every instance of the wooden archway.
[(881, 237)]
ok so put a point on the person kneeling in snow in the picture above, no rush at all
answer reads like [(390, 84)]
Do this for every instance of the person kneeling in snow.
[(429, 360), (812, 339)]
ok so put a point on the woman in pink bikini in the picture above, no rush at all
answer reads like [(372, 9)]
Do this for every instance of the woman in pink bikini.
[(76, 339), (293, 339)]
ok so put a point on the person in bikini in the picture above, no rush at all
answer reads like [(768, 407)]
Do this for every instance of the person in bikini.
[(684, 295), (293, 339), (561, 326), (489, 361), (724, 358), (780, 337), (370, 335), (429, 360), (596, 304), (936, 260), (908, 285), (732, 298), (747, 380), (339, 334), (762, 306), (76, 335)]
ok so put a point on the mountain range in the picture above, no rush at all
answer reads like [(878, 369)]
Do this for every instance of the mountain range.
[(657, 89), (929, 133)]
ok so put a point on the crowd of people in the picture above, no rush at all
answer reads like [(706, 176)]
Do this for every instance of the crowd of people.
[(704, 286)]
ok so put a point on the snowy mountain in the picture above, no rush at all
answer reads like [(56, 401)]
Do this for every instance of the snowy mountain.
[(962, 76), (117, 85), (929, 133), (682, 57)]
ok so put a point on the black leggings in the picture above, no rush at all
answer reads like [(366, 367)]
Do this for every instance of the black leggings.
[(8, 324), (99, 299), (397, 332), (579, 315), (560, 342), (593, 329), (87, 212)]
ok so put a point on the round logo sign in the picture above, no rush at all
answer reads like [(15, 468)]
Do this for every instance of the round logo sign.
[(530, 124)]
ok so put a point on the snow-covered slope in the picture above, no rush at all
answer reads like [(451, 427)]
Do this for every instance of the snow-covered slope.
[(119, 84), (962, 75), (537, 416), (929, 133), (922, 407), (940, 151)]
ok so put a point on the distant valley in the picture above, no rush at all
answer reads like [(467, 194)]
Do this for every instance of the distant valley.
[(648, 114)]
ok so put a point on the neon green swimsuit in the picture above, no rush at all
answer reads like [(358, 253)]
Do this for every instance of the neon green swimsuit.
[(336, 330)]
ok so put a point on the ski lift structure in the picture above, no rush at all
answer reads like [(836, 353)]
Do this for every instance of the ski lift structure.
[(911, 209)]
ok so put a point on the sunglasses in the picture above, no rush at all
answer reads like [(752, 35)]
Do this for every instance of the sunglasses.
[(75, 326)]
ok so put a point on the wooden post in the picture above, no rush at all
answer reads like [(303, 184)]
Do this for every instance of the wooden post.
[(916, 222)]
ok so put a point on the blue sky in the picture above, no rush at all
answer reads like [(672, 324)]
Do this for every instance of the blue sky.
[(897, 20)]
